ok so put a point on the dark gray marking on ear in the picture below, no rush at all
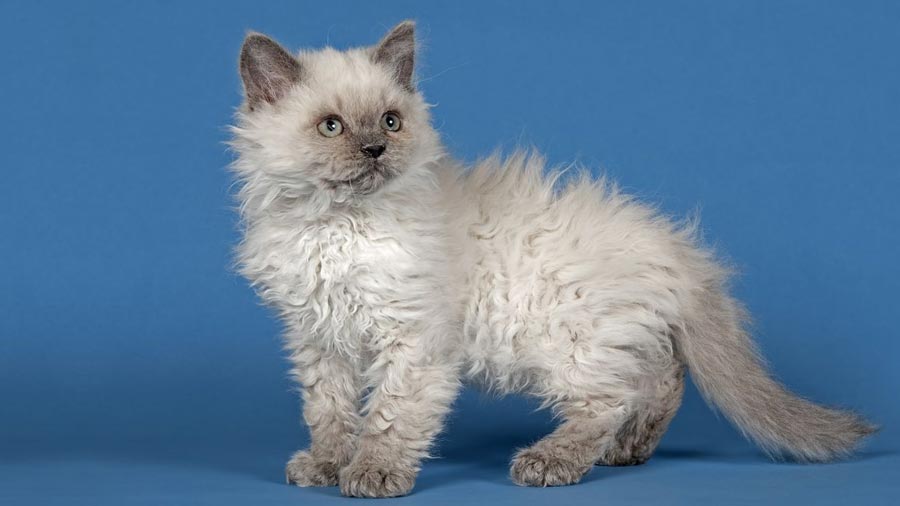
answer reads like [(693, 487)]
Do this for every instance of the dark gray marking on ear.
[(397, 50), (267, 70)]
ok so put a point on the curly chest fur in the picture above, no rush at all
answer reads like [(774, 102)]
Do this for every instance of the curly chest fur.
[(336, 282)]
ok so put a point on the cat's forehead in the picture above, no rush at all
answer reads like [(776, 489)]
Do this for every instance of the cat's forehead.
[(349, 79)]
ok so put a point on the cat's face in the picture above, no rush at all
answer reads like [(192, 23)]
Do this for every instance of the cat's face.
[(340, 123)]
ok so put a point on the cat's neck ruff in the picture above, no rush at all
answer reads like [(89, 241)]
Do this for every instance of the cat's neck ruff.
[(410, 196)]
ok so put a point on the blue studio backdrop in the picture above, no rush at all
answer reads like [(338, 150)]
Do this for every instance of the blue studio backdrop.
[(137, 368)]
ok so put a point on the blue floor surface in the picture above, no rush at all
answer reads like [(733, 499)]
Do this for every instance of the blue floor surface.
[(225, 478), (234, 454)]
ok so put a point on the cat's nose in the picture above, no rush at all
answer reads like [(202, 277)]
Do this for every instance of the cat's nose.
[(373, 150)]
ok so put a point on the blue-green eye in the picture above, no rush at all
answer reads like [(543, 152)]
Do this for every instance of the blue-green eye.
[(390, 122), (331, 127)]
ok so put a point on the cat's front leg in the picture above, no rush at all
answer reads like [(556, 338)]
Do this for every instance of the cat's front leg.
[(413, 390), (331, 410)]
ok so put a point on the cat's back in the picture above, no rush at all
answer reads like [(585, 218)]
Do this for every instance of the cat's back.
[(554, 220)]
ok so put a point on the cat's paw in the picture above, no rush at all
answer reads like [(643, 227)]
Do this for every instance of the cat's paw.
[(376, 479), (619, 461), (305, 471), (533, 467), (624, 457)]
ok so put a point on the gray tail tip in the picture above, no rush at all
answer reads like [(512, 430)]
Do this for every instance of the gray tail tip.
[(863, 427), (840, 445), (867, 428)]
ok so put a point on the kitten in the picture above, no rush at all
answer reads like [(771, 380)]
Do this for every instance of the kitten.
[(398, 274)]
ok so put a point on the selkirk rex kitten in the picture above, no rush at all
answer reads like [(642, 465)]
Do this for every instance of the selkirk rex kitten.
[(398, 274)]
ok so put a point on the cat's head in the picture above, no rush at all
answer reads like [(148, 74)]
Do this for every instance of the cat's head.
[(338, 125)]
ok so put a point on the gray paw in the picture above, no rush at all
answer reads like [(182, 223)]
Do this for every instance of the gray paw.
[(538, 468), (305, 471), (621, 458), (365, 479), (630, 461)]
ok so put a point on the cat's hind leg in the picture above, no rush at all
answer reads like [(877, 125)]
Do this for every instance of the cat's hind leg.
[(600, 375), (638, 437)]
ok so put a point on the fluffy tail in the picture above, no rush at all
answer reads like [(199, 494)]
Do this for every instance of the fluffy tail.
[(725, 365)]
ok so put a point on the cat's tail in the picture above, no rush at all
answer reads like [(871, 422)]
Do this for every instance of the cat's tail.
[(725, 365)]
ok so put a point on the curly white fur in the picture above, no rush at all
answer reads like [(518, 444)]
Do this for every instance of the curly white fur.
[(504, 274)]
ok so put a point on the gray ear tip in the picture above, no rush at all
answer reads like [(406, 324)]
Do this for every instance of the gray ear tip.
[(255, 40), (407, 26), (251, 35)]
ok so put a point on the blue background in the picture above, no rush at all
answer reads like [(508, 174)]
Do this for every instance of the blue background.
[(137, 368)]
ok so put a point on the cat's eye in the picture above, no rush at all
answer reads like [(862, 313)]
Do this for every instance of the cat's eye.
[(331, 127), (390, 122)]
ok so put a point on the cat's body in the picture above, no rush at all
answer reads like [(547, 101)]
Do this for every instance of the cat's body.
[(399, 275)]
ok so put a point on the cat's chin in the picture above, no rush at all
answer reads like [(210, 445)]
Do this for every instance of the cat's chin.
[(366, 183)]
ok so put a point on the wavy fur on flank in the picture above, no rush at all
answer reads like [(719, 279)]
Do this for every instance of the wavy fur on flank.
[(399, 274)]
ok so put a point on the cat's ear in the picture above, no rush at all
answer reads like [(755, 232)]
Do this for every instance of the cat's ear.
[(267, 70), (397, 50)]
